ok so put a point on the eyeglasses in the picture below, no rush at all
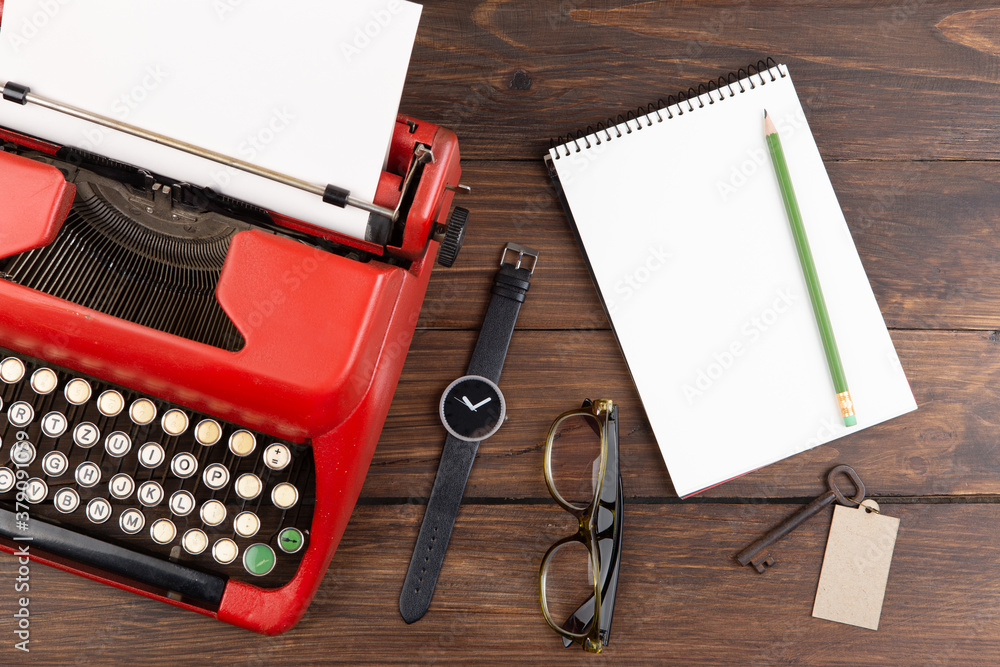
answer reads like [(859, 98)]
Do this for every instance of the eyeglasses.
[(578, 577)]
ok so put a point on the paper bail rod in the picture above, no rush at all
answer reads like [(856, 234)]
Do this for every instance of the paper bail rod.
[(331, 194)]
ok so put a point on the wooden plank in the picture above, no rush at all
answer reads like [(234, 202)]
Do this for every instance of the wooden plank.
[(927, 238), (926, 234), (885, 81), (682, 597), (948, 446)]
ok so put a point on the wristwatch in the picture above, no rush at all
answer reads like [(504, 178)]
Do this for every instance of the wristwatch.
[(472, 419), (472, 409)]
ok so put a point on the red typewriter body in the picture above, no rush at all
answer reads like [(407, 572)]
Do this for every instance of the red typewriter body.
[(325, 340)]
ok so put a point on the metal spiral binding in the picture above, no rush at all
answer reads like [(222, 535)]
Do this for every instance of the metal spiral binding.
[(744, 75)]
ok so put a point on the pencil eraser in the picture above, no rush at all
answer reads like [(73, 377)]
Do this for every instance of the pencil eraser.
[(850, 421)]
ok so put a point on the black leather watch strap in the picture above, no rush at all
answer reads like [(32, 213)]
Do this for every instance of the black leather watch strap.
[(509, 288), (435, 531)]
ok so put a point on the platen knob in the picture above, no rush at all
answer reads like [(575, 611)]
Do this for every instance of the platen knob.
[(452, 243)]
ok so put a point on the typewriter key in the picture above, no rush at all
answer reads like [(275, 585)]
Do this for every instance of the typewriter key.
[(88, 475), (277, 456), (6, 480), (174, 422), (258, 559), (110, 403), (181, 503), (77, 391), (248, 486), (194, 541), (35, 490), (131, 521), (118, 444), (22, 453), (142, 411), (213, 513), (290, 540), (55, 464), (44, 381), (163, 531), (11, 370), (246, 524), (242, 443), (151, 454), (121, 486), (20, 414), (86, 435), (284, 495), (208, 432), (66, 500), (98, 510), (150, 493), (215, 476), (54, 424), (225, 551), (184, 465)]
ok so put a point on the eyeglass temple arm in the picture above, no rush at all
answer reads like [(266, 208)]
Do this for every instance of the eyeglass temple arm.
[(584, 615), (580, 619)]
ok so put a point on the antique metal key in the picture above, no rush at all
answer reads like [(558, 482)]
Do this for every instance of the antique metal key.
[(758, 554)]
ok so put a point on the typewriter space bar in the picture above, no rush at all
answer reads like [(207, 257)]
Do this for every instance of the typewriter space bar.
[(114, 559)]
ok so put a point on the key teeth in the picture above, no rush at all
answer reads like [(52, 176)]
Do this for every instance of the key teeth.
[(761, 564)]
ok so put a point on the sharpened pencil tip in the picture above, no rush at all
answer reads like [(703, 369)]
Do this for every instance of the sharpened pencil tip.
[(769, 127)]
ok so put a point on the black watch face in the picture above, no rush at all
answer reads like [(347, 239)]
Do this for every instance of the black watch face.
[(472, 408)]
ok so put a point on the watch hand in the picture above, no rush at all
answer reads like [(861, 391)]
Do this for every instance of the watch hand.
[(466, 402), (481, 403)]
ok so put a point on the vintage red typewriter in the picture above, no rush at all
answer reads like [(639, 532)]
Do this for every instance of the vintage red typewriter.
[(192, 387)]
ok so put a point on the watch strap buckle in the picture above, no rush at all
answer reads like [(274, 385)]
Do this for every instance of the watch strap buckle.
[(520, 255)]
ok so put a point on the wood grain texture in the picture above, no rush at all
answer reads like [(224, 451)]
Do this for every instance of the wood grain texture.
[(507, 74), (977, 28), (682, 598)]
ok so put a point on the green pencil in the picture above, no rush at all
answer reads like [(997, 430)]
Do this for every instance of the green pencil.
[(809, 270)]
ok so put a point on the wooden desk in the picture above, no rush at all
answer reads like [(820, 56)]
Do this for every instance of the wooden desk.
[(903, 100)]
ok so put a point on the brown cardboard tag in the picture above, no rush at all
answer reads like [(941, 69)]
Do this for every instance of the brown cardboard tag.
[(856, 565)]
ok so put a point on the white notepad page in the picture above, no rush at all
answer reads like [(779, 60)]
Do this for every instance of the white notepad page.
[(310, 88), (684, 228)]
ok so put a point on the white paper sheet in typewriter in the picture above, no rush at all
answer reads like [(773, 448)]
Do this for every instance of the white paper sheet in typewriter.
[(306, 87)]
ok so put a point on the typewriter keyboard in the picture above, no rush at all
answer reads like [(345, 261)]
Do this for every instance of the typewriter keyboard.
[(139, 477)]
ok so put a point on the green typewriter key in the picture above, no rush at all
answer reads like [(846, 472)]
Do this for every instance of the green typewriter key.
[(258, 559), (290, 540)]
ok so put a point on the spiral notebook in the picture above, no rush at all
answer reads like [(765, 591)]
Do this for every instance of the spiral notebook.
[(680, 219)]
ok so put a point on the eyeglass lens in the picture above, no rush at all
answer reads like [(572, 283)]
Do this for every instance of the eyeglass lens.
[(570, 580), (576, 459)]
